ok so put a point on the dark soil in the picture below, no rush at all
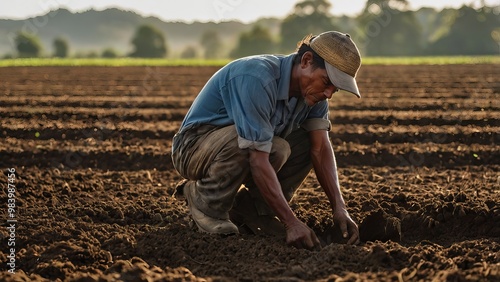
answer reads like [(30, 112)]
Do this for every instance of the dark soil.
[(418, 157)]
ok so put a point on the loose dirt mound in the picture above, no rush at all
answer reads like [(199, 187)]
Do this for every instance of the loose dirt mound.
[(419, 166)]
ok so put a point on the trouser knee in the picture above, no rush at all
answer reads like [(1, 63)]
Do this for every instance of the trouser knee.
[(280, 152)]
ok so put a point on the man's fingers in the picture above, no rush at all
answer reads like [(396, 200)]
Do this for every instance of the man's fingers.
[(296, 242), (303, 237), (343, 229), (354, 240), (355, 230), (354, 235), (309, 242), (315, 243), (309, 239)]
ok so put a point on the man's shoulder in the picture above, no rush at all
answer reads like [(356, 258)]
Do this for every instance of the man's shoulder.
[(260, 66), (261, 60)]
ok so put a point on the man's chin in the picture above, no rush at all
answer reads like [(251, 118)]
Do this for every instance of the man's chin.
[(311, 102)]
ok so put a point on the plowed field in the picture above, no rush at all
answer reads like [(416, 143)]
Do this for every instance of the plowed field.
[(418, 157)]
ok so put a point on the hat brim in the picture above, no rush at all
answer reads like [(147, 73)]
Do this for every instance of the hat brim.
[(342, 80)]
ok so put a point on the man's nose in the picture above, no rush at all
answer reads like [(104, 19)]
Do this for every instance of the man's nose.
[(329, 92)]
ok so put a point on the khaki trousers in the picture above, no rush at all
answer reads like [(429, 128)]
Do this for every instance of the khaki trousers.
[(210, 157)]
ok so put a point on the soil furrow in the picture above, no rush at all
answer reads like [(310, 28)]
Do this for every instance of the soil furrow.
[(458, 117), (44, 133), (117, 159), (181, 102)]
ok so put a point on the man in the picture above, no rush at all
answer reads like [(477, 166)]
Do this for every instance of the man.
[(262, 121)]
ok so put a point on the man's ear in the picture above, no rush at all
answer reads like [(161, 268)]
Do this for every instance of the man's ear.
[(306, 59)]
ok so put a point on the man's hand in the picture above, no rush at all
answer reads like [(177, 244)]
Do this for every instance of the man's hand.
[(301, 236), (348, 227)]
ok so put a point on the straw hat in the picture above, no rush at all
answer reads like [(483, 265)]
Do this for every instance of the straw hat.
[(342, 59)]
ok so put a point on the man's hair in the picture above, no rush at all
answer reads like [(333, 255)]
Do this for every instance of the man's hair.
[(302, 47)]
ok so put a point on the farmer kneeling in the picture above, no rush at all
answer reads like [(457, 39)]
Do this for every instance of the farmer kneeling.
[(262, 121)]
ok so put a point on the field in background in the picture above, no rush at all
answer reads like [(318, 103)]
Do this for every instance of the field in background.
[(418, 159), (120, 62)]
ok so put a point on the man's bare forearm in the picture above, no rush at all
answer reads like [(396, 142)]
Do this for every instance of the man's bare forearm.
[(325, 167), (265, 177)]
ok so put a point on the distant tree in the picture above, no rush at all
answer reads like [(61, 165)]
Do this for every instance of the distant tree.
[(189, 53), (469, 34), (92, 54), (429, 23), (308, 17), (211, 42), (109, 53), (257, 41), (495, 35), (389, 29), (79, 54), (61, 48), (28, 46), (395, 4), (149, 42)]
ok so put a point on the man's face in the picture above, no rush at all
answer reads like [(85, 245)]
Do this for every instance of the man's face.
[(315, 85)]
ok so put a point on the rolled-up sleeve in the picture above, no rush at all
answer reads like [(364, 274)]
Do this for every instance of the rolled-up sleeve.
[(318, 118), (250, 104), (316, 124)]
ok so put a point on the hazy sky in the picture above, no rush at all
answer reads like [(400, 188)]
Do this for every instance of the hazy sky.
[(202, 10)]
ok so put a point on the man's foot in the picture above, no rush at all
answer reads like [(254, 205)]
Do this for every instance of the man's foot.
[(204, 222), (244, 213)]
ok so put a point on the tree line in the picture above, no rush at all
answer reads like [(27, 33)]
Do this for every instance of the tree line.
[(148, 42), (384, 28)]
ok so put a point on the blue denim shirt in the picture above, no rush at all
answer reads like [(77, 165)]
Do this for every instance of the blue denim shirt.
[(252, 93)]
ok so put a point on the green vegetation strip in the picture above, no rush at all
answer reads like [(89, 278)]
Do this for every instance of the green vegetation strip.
[(123, 62), (440, 60), (115, 62)]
